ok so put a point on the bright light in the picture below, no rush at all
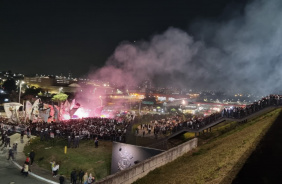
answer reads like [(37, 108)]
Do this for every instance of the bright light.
[(81, 113), (66, 116)]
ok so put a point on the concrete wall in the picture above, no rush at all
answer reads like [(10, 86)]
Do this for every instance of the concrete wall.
[(141, 169)]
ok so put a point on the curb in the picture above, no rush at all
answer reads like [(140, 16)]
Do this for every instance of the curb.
[(36, 176)]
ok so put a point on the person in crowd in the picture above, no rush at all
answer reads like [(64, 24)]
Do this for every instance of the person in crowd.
[(27, 160), (22, 134), (8, 141), (32, 156), (73, 177), (96, 142), (85, 178), (90, 179), (53, 163), (62, 179), (15, 148), (56, 169), (10, 154), (25, 169), (28, 132), (80, 174)]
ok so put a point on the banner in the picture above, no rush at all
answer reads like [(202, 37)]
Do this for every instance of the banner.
[(67, 106), (35, 110), (72, 104), (52, 112), (12, 110), (56, 113), (44, 114), (28, 109)]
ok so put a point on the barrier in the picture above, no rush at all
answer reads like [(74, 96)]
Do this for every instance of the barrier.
[(143, 168)]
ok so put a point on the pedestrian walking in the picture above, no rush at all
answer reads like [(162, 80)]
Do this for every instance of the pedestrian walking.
[(8, 140), (15, 148), (25, 170), (11, 154)]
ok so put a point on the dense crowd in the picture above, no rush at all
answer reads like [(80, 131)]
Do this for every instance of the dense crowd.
[(171, 125), (87, 128)]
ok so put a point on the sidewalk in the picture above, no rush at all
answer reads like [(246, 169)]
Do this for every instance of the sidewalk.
[(36, 171)]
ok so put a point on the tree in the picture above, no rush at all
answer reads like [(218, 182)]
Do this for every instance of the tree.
[(31, 92), (9, 85), (60, 97)]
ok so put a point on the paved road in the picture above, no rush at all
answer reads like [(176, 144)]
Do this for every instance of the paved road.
[(9, 172)]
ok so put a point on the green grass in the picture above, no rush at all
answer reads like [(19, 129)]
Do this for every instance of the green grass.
[(220, 157), (88, 158)]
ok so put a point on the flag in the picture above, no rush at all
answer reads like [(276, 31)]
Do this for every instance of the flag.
[(67, 106), (72, 104), (35, 110), (56, 112), (61, 110), (51, 116), (74, 109), (28, 109)]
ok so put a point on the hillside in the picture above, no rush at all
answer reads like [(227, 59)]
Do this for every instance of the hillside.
[(219, 159)]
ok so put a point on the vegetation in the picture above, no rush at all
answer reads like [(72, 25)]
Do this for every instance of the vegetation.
[(60, 97), (92, 160), (219, 158)]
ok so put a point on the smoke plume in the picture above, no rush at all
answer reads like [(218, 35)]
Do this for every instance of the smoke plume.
[(242, 53)]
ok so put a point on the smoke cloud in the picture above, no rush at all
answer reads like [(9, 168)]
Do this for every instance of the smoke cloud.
[(242, 54)]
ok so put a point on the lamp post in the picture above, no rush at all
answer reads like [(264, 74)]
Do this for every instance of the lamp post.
[(101, 101), (20, 91)]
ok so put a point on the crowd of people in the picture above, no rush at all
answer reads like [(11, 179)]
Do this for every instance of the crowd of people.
[(170, 125), (73, 131), (81, 177), (96, 128), (86, 128)]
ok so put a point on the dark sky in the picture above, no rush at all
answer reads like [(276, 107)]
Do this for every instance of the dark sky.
[(54, 37)]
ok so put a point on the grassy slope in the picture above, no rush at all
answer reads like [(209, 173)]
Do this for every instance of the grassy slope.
[(92, 160), (218, 160)]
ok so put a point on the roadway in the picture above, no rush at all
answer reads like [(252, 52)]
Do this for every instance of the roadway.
[(10, 170)]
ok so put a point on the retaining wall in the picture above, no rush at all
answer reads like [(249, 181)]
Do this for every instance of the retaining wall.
[(139, 170)]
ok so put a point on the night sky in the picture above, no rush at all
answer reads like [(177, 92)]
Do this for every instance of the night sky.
[(54, 37)]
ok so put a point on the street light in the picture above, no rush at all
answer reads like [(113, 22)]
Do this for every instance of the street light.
[(101, 101), (21, 82)]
